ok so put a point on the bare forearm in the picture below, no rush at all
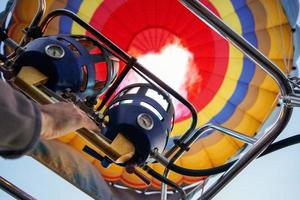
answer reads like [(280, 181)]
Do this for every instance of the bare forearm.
[(61, 118), (22, 122)]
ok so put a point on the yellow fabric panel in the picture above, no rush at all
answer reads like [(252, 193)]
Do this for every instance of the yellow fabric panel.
[(284, 65), (280, 48), (227, 13), (234, 74), (197, 160), (275, 13), (54, 4), (227, 8), (239, 143), (259, 109), (221, 151), (180, 127), (113, 173), (269, 84), (22, 9), (78, 143), (86, 12), (203, 117), (248, 125), (233, 143)]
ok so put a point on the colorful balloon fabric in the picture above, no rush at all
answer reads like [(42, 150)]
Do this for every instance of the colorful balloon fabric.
[(225, 87)]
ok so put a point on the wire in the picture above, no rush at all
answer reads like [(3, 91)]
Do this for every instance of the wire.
[(282, 144), (3, 35), (3, 58), (222, 168), (200, 172)]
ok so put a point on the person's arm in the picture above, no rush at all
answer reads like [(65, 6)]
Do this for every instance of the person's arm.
[(22, 122), (61, 118)]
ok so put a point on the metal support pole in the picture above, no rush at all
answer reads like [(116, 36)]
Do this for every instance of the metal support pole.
[(213, 21), (196, 135), (35, 21), (13, 190), (291, 101), (200, 131), (235, 134)]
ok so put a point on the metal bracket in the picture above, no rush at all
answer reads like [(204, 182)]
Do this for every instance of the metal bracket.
[(290, 101), (286, 90)]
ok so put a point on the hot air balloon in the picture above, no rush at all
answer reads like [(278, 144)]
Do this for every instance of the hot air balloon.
[(225, 86)]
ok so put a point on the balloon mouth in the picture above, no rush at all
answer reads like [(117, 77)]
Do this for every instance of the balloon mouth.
[(168, 59), (141, 33)]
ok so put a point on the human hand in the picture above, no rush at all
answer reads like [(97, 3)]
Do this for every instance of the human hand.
[(61, 118)]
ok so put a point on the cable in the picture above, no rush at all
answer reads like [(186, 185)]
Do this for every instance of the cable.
[(3, 35), (222, 168), (3, 58), (281, 144), (200, 172)]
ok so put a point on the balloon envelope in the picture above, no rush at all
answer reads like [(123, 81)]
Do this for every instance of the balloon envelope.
[(225, 86)]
